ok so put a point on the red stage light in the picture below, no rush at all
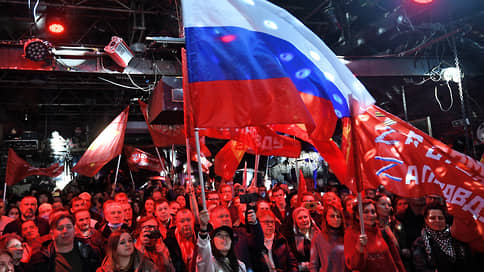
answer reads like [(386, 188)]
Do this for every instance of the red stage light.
[(56, 28), (423, 1)]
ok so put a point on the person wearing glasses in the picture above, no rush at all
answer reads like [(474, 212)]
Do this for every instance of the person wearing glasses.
[(275, 255), (150, 244), (12, 243)]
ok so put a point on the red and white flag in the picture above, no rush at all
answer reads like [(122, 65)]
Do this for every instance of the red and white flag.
[(139, 159)]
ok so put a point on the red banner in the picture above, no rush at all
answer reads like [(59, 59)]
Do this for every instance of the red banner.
[(18, 169), (228, 159), (104, 148), (139, 159), (163, 135), (410, 163)]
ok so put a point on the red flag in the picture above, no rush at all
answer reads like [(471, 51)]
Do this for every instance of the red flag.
[(410, 163), (104, 148), (301, 187), (228, 159), (265, 141), (138, 158), (18, 169), (163, 135)]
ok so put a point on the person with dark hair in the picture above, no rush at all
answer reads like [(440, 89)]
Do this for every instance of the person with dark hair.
[(392, 230), (13, 212), (121, 255), (275, 254), (65, 252), (217, 254), (327, 246), (163, 216), (436, 249), (150, 244), (369, 252)]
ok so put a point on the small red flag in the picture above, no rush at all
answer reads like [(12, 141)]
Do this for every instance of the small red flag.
[(18, 169), (139, 159), (228, 159), (104, 148), (301, 187)]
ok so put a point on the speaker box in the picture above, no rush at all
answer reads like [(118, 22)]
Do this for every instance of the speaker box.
[(166, 105)]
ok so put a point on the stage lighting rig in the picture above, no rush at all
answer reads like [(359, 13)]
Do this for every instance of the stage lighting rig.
[(37, 50)]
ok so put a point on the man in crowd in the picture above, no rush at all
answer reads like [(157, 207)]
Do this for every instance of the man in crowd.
[(114, 217), (227, 196), (181, 241), (44, 210), (279, 208), (84, 231), (27, 207), (64, 253)]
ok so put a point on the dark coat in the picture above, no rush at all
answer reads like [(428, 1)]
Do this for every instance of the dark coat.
[(16, 226), (282, 256), (44, 260)]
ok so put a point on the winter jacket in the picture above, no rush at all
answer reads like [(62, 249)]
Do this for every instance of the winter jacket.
[(282, 256), (205, 260)]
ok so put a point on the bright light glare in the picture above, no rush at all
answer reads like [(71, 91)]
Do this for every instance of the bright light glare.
[(56, 28), (423, 1)]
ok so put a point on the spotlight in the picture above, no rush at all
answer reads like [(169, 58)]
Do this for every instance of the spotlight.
[(56, 28), (37, 50), (119, 51)]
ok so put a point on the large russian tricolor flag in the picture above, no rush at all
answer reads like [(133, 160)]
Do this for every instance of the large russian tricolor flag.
[(252, 63)]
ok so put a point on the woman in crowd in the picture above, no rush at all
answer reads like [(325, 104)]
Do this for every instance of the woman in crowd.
[(275, 253), (436, 249), (122, 256), (392, 229), (149, 208), (369, 252), (13, 212), (217, 255), (299, 238), (327, 250), (348, 203), (13, 244)]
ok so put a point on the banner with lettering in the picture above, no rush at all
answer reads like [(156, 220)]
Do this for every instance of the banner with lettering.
[(139, 159), (410, 163)]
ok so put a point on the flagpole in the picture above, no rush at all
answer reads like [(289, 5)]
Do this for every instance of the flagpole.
[(159, 157), (4, 191), (244, 178), (200, 173), (256, 168), (132, 179), (172, 171), (116, 176), (189, 161), (356, 162)]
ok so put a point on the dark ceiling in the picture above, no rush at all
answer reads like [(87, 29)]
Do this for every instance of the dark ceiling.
[(43, 100)]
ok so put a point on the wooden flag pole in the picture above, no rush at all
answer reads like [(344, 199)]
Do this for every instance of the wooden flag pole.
[(244, 179), (200, 173), (116, 176)]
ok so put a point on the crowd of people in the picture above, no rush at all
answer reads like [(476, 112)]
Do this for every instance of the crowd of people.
[(165, 228)]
